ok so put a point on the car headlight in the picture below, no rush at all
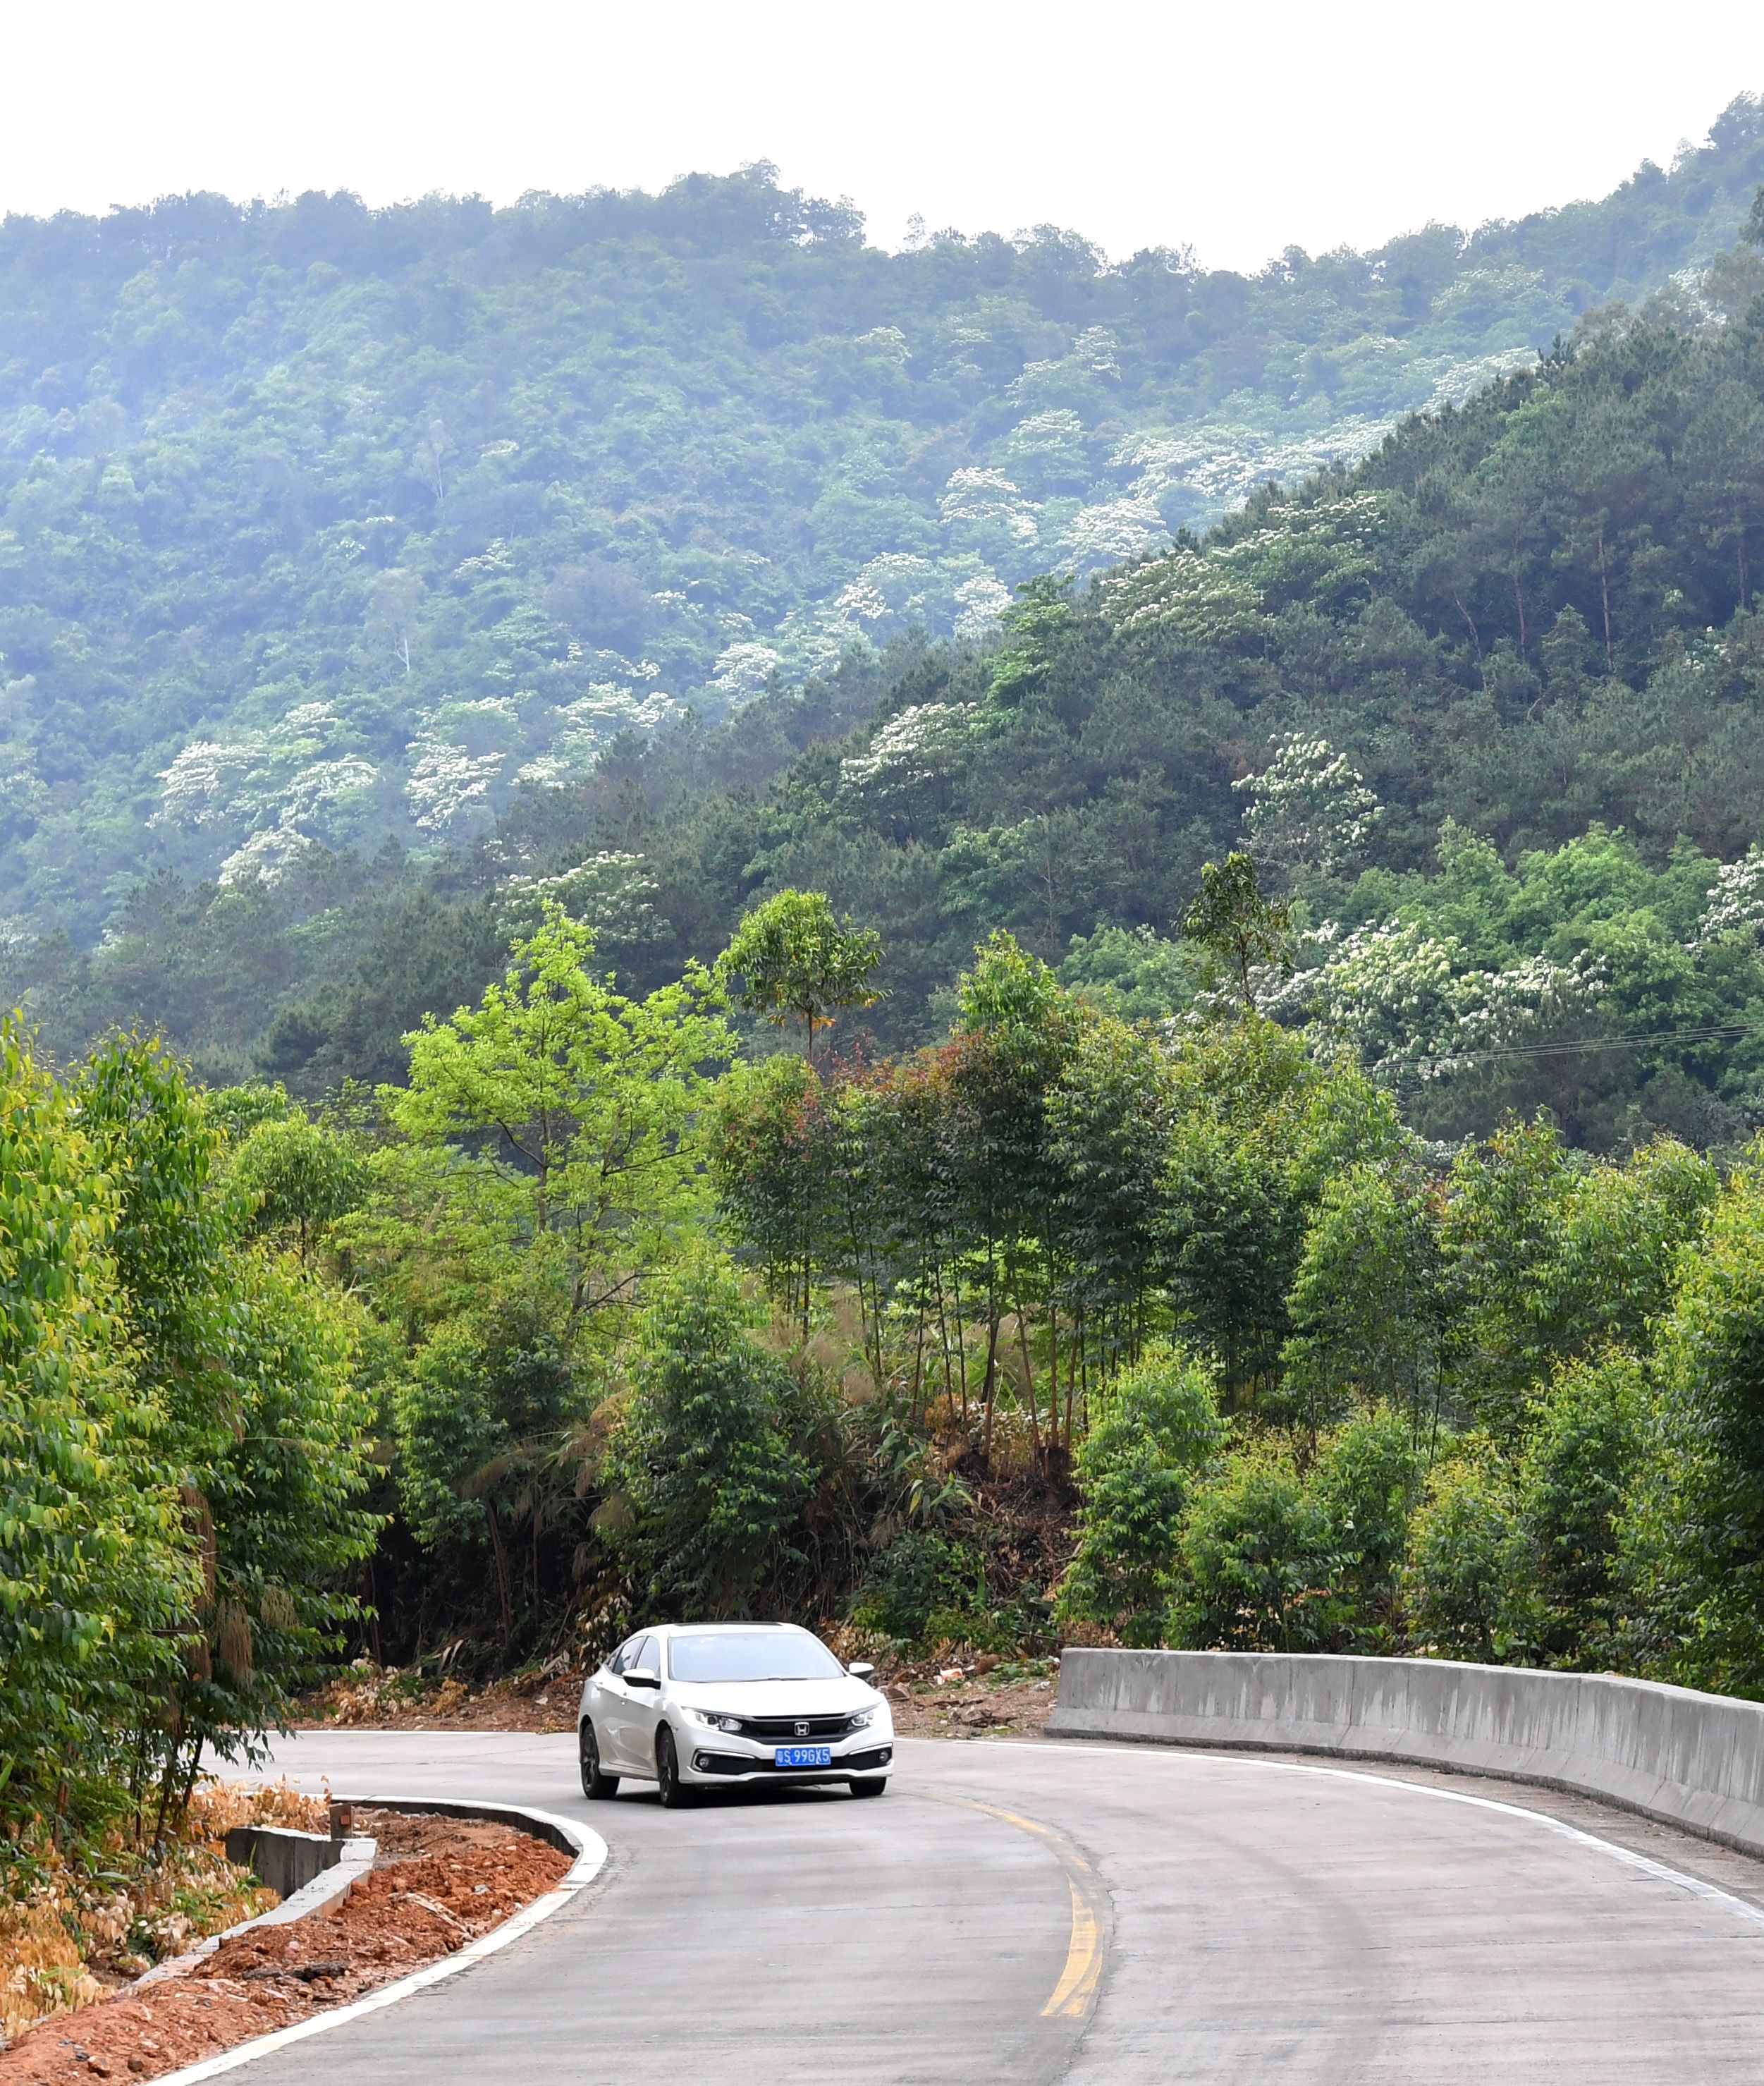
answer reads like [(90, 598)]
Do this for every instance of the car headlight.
[(859, 1719), (717, 1720)]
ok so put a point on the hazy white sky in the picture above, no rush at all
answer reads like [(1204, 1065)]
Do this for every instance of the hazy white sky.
[(1236, 128)]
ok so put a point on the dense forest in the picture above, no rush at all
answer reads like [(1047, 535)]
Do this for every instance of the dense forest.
[(321, 525), (1483, 708)]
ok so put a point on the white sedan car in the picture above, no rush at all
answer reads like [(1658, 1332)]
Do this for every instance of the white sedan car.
[(693, 1706)]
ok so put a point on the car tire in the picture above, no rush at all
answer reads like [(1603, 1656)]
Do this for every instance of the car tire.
[(597, 1784), (869, 1785), (676, 1795)]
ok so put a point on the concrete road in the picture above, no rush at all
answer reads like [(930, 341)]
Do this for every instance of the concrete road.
[(1040, 1912)]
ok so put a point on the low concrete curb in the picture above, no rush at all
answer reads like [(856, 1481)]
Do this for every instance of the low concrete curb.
[(1692, 1760), (286, 1860), (330, 1886), (590, 1852)]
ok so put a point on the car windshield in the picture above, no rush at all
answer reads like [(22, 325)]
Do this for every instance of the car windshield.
[(755, 1655)]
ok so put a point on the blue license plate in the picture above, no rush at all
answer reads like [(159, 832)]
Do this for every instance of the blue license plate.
[(802, 1756)]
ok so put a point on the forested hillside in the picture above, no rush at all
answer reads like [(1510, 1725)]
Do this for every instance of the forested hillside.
[(320, 525), (1485, 707)]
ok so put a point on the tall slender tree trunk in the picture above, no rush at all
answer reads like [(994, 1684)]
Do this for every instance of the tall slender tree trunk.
[(1029, 1381), (504, 1588), (1476, 635), (1072, 1374), (1053, 1375), (989, 1386), (961, 1343)]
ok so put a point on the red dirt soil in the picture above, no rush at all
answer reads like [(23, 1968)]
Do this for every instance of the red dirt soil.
[(436, 1884)]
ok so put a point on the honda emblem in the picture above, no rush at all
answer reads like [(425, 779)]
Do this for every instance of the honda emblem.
[(802, 1729)]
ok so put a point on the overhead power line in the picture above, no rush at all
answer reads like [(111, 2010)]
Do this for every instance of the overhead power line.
[(1719, 1032)]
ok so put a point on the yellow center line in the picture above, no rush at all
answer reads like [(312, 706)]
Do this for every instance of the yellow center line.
[(1075, 1992)]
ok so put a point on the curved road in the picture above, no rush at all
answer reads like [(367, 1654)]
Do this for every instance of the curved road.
[(1037, 1912)]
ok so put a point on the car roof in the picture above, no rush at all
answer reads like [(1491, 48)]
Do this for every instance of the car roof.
[(737, 1630)]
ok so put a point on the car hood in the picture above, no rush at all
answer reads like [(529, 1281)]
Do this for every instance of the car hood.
[(778, 1698)]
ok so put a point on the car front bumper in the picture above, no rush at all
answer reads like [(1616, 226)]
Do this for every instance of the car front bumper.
[(714, 1762)]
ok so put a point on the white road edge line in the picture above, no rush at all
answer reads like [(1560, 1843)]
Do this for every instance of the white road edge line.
[(1645, 1864), (587, 1866)]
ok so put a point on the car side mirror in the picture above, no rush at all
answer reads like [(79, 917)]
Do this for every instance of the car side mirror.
[(641, 1676), (860, 1669)]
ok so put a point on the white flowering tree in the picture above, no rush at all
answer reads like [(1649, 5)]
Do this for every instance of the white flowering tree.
[(1736, 904), (1309, 809), (1183, 594), (609, 890), (987, 512), (1409, 1003), (908, 759), (269, 795)]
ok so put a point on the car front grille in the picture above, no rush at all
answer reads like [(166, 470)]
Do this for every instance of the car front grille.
[(785, 1730)]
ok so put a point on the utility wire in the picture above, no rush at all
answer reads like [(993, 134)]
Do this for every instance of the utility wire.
[(1721, 1032)]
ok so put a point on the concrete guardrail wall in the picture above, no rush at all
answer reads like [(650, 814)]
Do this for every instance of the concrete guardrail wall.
[(1693, 1761)]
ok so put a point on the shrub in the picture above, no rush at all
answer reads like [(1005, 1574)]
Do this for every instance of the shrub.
[(1135, 1470), (918, 1574), (1364, 1485), (1467, 1578), (1257, 1559), (704, 1460)]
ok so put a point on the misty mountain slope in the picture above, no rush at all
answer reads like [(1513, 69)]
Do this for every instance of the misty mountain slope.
[(1488, 705), (320, 525)]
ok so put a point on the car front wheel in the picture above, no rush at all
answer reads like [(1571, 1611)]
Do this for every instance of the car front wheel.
[(597, 1784), (870, 1785), (675, 1794)]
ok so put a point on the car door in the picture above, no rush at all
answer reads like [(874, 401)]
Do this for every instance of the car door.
[(627, 1741), (611, 1699), (642, 1709)]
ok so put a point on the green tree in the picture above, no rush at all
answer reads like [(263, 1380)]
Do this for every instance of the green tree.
[(1038, 624), (711, 1488), (572, 1112), (1692, 1532), (1241, 930), (1365, 1481), (298, 1178), (1109, 1119), (287, 1500), (766, 1145), (795, 959), (1574, 1478), (1157, 1429), (480, 1414), (1502, 1231), (1017, 1031), (1548, 1257), (249, 1361), (97, 1572), (1258, 1129), (1257, 1559), (1366, 1303), (1467, 1579)]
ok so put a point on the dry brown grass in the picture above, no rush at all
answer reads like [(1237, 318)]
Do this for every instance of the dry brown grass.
[(80, 1928)]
